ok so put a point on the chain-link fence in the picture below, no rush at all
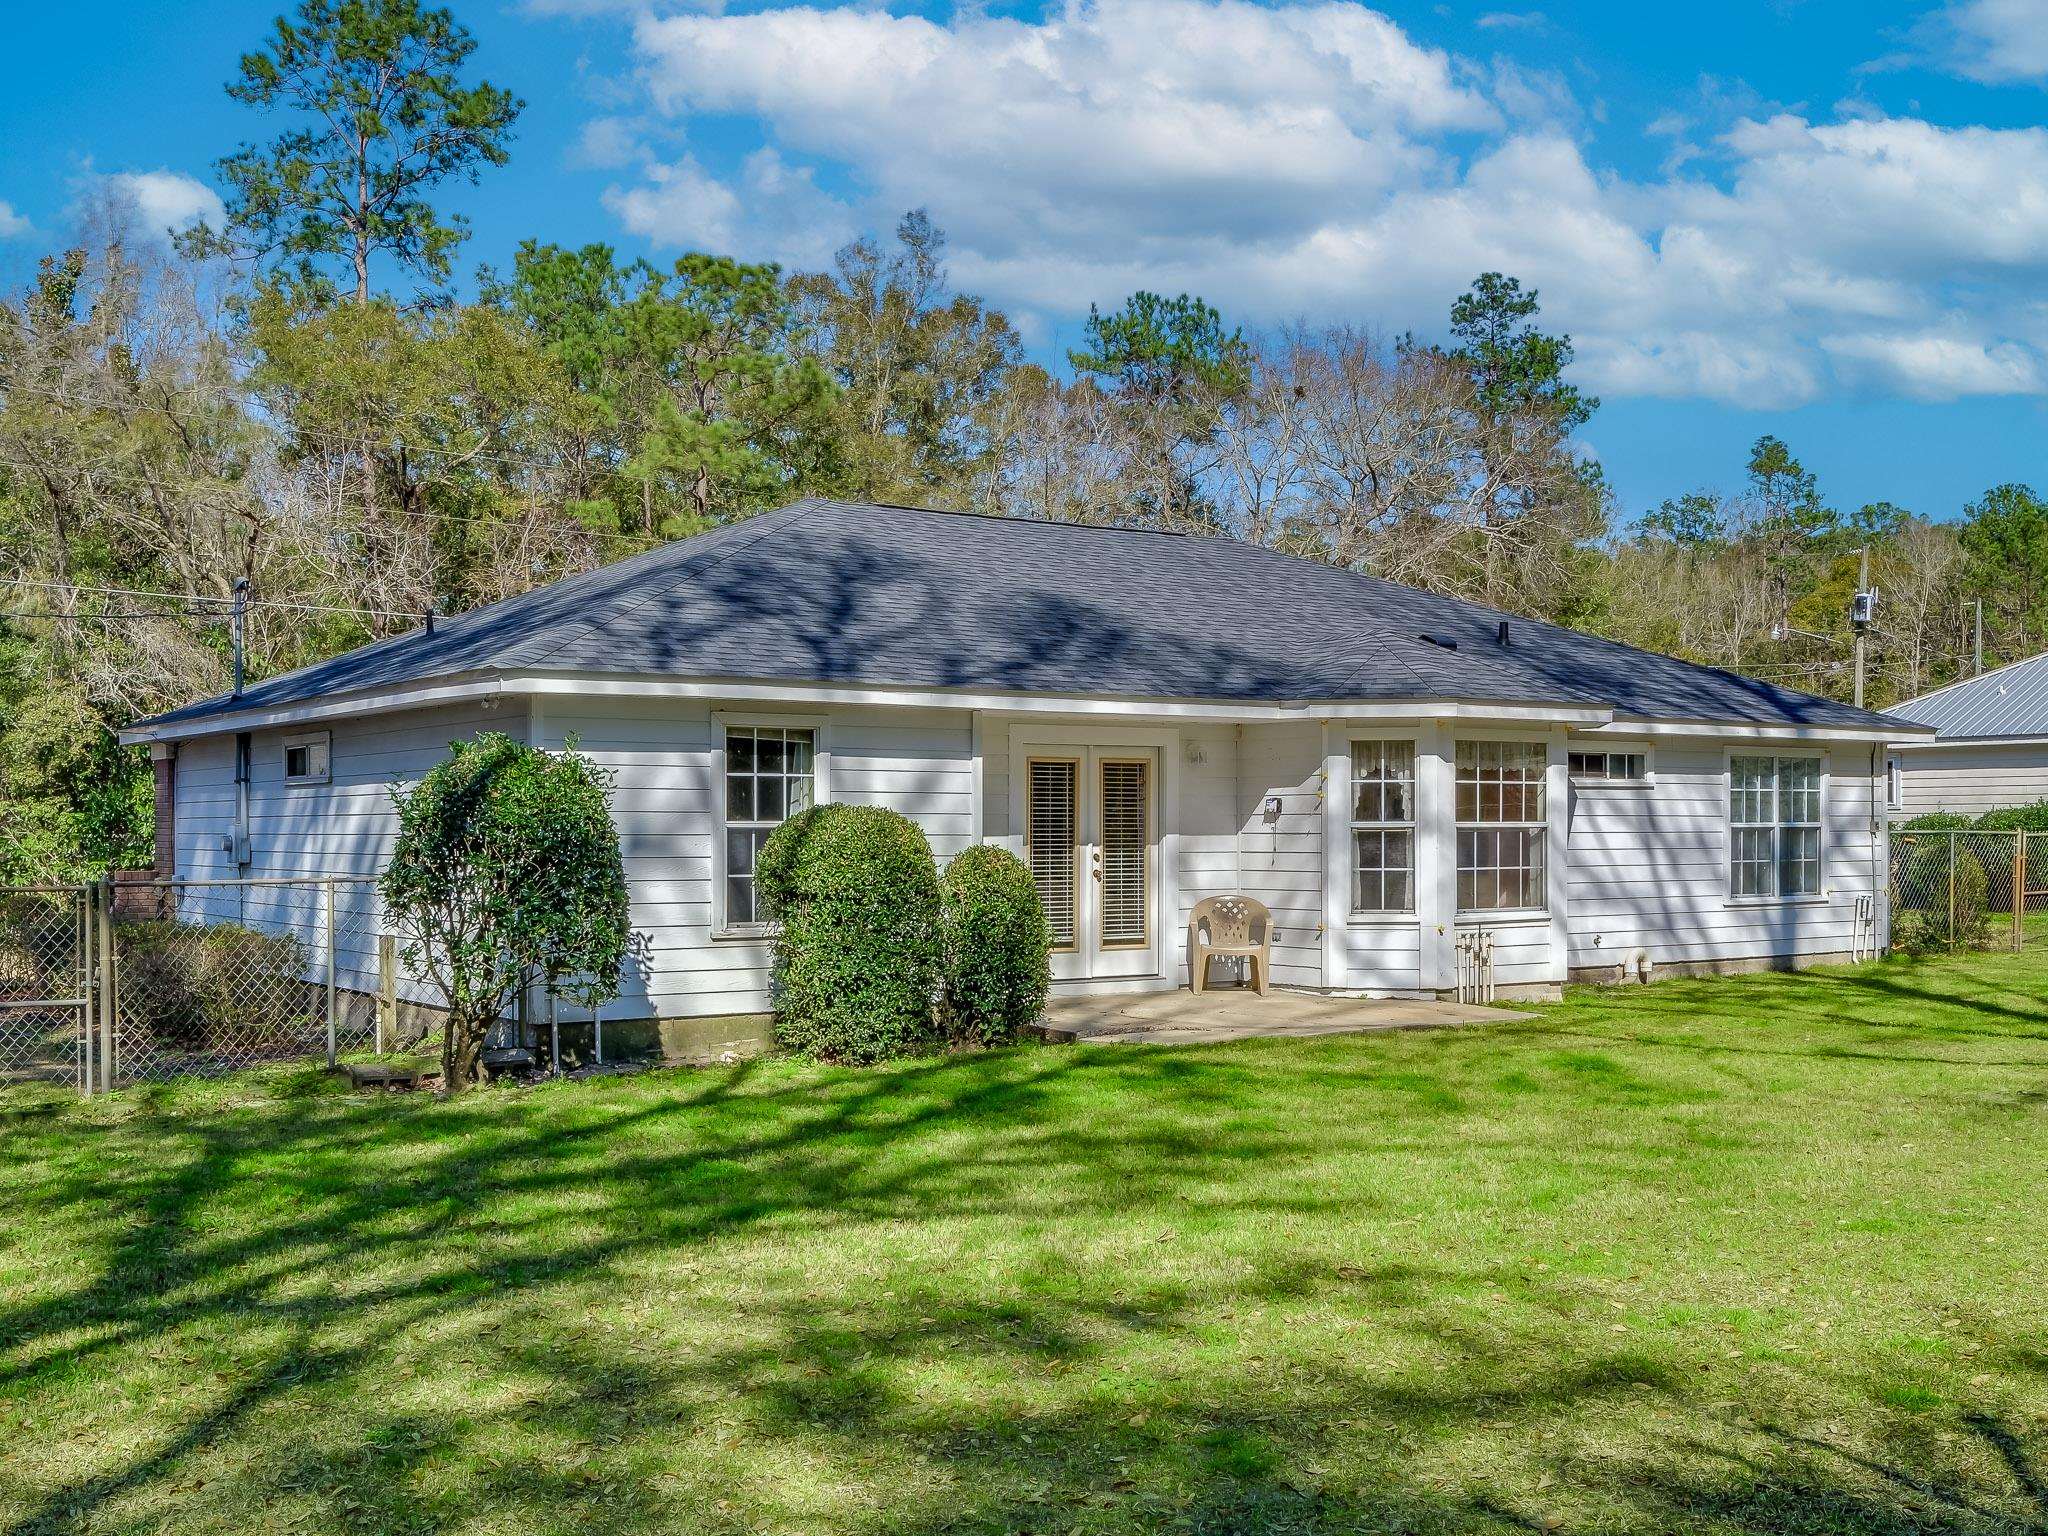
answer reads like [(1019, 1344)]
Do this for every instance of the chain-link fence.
[(1969, 889), (46, 969), (109, 984)]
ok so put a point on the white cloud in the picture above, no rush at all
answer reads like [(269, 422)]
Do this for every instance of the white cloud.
[(1311, 159), (166, 200), (13, 225), (1514, 21), (776, 210), (1995, 41)]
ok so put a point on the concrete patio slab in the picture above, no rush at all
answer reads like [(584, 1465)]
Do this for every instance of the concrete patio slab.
[(1186, 1018)]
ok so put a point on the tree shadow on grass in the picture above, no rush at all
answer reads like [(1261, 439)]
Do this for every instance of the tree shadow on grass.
[(480, 1316)]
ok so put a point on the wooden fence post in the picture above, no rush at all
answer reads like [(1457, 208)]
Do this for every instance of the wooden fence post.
[(387, 991), (105, 930)]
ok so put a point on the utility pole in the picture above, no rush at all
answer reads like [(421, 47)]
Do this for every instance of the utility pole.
[(235, 627), (1862, 613)]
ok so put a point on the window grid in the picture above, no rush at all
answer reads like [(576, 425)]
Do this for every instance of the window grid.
[(769, 777), (1774, 842), (1501, 820), (1611, 767), (1383, 826)]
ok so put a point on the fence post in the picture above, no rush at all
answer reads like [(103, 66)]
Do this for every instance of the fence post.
[(1952, 889), (554, 1036), (331, 999), (387, 991), (108, 979), (2019, 885), (88, 992)]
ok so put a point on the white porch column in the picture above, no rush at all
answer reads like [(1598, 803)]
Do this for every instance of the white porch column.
[(1436, 856), (1557, 799)]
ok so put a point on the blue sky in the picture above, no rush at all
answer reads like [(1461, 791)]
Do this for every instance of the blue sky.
[(1820, 219)]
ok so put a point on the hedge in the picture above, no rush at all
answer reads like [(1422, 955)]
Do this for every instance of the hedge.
[(857, 958), (996, 941)]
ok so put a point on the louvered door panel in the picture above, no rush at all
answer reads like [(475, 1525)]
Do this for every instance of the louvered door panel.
[(1126, 837), (1052, 839)]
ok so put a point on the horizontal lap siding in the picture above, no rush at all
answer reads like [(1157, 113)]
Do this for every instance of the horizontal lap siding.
[(1283, 856), (1209, 821), (1649, 867), (1971, 779), (668, 806), (344, 827)]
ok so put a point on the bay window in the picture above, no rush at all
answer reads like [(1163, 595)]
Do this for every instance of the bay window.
[(1774, 827), (1382, 826), (1502, 823)]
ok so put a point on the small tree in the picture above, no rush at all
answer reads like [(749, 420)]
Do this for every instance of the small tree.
[(507, 870)]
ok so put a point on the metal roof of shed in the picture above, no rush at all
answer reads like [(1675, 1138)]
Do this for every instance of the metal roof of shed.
[(2007, 701)]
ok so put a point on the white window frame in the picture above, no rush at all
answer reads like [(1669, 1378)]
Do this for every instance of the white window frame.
[(320, 744), (722, 926), (1610, 750), (1540, 826), (1353, 826), (1894, 784), (1777, 826)]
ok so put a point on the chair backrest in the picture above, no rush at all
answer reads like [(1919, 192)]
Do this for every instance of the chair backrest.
[(1230, 919)]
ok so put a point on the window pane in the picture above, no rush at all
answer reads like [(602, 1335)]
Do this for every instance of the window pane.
[(1370, 803), (798, 749), (739, 803), (1799, 862), (1799, 797), (770, 759), (770, 798), (739, 899), (739, 751)]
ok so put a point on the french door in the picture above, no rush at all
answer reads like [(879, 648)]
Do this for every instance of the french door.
[(1091, 837)]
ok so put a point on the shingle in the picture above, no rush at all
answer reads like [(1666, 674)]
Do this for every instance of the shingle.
[(852, 593), (2011, 701)]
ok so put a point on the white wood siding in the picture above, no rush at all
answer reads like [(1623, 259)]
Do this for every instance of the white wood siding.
[(1971, 779), (1649, 867), (668, 805)]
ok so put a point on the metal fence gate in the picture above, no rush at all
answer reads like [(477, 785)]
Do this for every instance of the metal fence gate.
[(1969, 889), (47, 991), (103, 985)]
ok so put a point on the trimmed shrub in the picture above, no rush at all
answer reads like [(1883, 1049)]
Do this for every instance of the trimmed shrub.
[(1938, 821), (857, 959), (995, 941), (191, 984), (2015, 818)]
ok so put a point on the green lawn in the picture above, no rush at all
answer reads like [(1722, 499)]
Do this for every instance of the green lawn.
[(1755, 1255)]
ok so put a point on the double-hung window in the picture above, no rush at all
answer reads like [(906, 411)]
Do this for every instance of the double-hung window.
[(1501, 825), (1382, 826), (770, 775), (1774, 827)]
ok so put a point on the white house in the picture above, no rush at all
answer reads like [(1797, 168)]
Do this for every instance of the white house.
[(1989, 750), (1146, 718)]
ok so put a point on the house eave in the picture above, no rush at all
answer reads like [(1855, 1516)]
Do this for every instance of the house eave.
[(537, 685)]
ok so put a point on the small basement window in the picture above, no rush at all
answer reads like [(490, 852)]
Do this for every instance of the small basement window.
[(306, 758), (1611, 767)]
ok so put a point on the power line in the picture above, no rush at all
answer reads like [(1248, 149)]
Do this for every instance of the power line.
[(195, 597)]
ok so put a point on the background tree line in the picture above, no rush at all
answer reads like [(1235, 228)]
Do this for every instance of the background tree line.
[(300, 400)]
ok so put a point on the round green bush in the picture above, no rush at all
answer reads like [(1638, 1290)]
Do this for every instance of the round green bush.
[(857, 959), (995, 940), (1939, 821)]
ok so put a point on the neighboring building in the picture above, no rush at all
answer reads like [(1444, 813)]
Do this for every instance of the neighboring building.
[(1990, 750), (1146, 718)]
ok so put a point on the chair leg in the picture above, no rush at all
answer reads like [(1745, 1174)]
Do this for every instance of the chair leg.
[(1198, 966), (1260, 964)]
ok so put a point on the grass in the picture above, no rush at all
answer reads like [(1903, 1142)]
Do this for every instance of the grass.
[(1736, 1256)]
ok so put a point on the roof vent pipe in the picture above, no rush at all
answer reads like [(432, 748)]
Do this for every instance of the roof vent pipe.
[(430, 618), (1502, 635)]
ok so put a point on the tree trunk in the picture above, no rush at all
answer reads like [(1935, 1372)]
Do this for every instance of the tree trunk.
[(462, 1050)]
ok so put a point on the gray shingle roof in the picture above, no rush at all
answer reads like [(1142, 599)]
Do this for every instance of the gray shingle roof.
[(846, 593), (2011, 701)]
